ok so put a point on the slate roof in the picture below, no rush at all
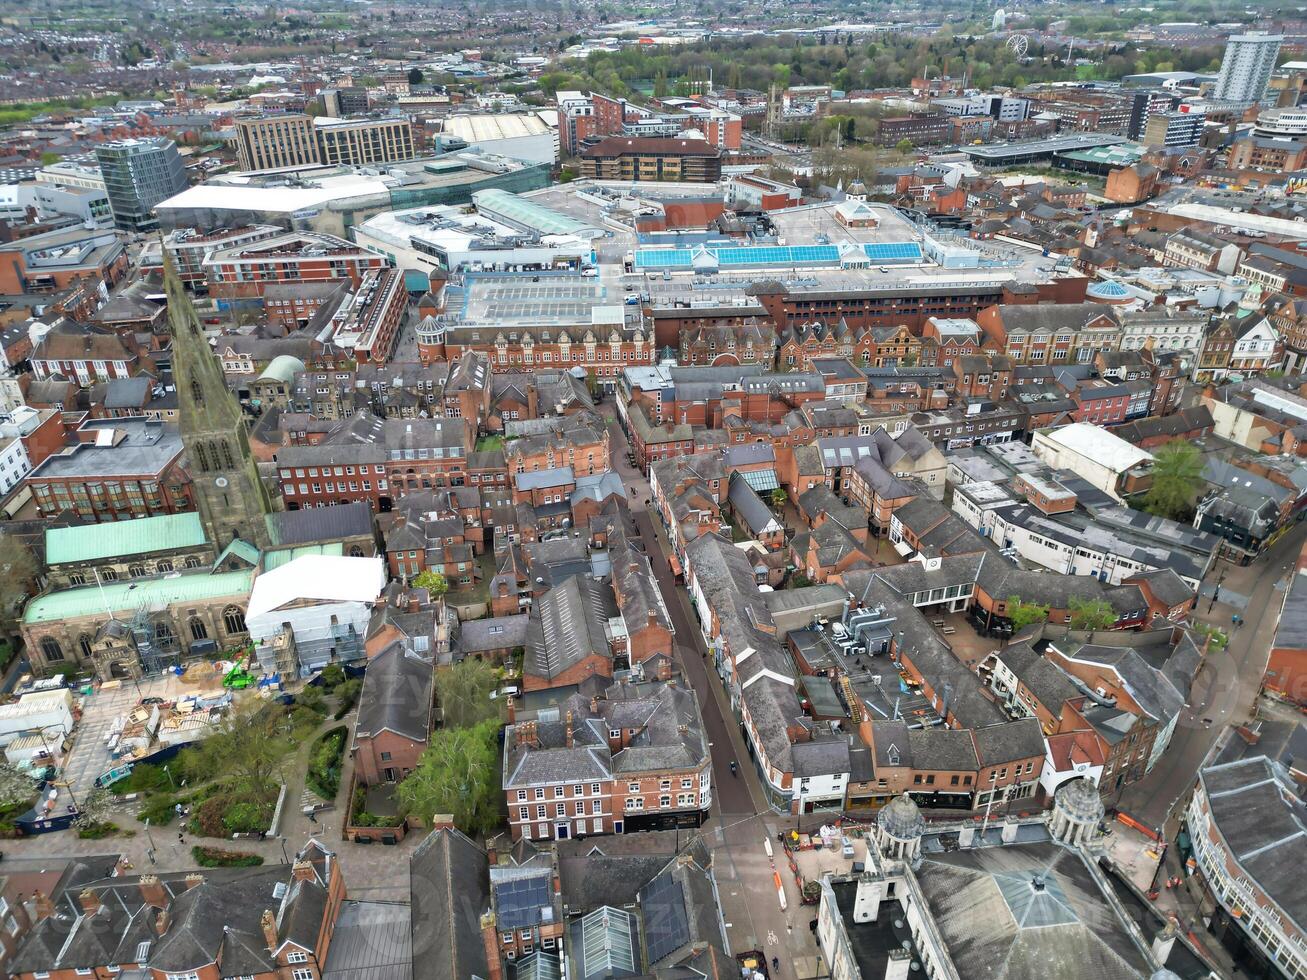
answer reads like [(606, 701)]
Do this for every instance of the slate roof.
[(1168, 587), (478, 635), (749, 506), (996, 924), (396, 695), (1261, 820), (316, 524), (449, 881), (217, 919), (567, 626), (1045, 680), (372, 941)]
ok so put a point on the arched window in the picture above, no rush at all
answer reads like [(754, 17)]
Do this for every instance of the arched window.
[(192, 562), (50, 649), (198, 630), (233, 620), (108, 574), (163, 634), (164, 566), (197, 392), (77, 578), (84, 644), (355, 551), (224, 448), (136, 570), (202, 457)]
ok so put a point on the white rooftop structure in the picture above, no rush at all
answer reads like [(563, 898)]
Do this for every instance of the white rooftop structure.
[(317, 579), (1095, 442)]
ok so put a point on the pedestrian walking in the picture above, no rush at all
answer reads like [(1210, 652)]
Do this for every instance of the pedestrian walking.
[(313, 816), (181, 837)]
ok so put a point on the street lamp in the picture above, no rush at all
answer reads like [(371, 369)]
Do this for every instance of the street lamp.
[(282, 842)]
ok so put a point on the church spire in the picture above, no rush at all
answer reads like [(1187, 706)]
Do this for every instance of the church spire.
[(229, 495)]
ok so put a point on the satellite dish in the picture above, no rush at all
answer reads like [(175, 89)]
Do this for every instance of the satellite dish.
[(1018, 44)]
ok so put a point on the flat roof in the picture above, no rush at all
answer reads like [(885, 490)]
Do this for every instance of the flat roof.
[(1045, 147), (476, 128), (1093, 442)]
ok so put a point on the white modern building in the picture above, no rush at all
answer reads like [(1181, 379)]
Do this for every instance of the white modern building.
[(1091, 453), (524, 136), (1246, 68), (450, 239), (318, 605)]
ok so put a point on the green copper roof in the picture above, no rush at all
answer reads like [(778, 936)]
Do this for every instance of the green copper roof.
[(128, 596), (275, 559), (121, 539), (242, 550)]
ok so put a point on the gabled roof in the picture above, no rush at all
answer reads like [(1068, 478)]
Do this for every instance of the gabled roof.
[(123, 539), (449, 881), (396, 695)]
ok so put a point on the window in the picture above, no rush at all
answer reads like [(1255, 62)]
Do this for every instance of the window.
[(521, 796), (198, 630), (302, 975), (297, 957), (50, 648), (233, 620), (385, 756)]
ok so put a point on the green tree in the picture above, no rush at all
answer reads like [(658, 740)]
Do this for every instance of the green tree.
[(415, 76), (904, 145), (249, 749), (15, 787), (464, 691), (433, 582), (1023, 614), (1177, 480), (1091, 614), (458, 774), (778, 497)]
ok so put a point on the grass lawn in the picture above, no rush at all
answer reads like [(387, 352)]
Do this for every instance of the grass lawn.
[(487, 443)]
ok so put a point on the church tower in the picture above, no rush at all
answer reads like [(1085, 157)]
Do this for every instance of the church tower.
[(229, 495)]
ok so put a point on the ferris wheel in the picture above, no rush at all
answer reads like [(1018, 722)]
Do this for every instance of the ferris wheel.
[(1018, 44)]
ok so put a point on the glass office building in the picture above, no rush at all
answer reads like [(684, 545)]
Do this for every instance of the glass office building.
[(138, 174)]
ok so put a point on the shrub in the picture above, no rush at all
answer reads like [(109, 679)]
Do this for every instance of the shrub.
[(244, 818), (158, 810), (98, 831), (216, 857), (207, 818), (323, 775), (333, 675), (348, 693)]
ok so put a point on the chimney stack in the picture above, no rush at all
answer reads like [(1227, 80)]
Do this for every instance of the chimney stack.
[(525, 733), (567, 729), (90, 901), (269, 925), (43, 908), (193, 879), (303, 871), (490, 939), (152, 891), (161, 922)]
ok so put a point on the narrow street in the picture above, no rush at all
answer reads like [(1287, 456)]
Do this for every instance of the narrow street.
[(1228, 682), (741, 818)]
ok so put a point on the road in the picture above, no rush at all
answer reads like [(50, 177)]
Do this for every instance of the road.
[(741, 818), (1227, 684)]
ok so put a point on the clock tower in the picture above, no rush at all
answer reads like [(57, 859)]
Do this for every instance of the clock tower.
[(229, 494)]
